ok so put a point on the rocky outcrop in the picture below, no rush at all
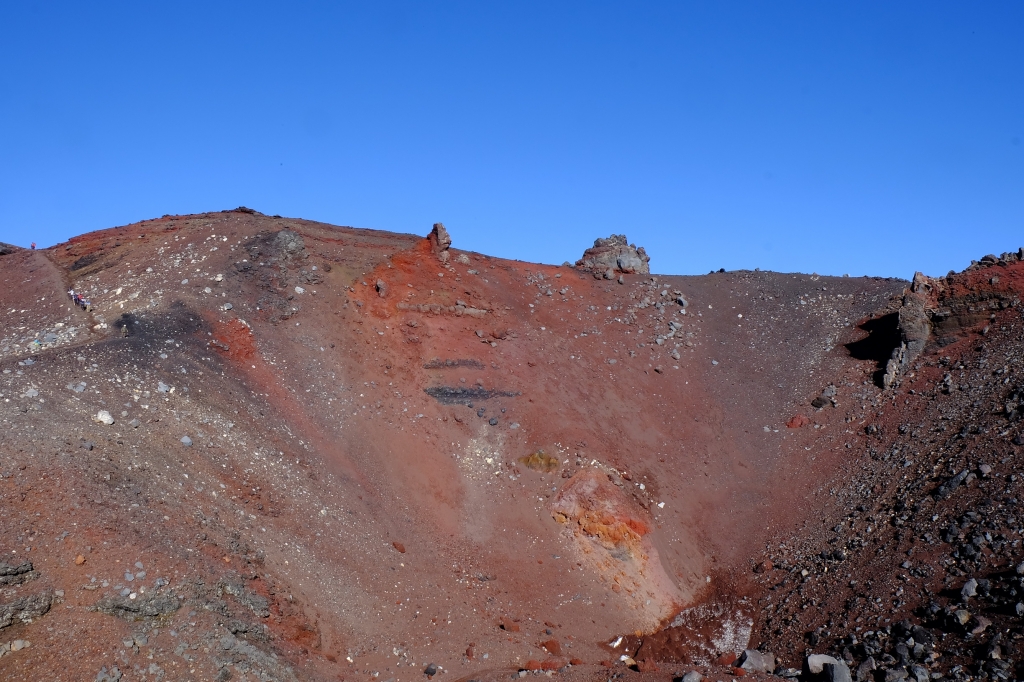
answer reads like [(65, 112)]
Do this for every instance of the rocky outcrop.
[(915, 329), (615, 254), (440, 242), (947, 308)]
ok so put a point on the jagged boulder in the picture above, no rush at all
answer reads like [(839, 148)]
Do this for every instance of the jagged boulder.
[(615, 254), (915, 328), (440, 242)]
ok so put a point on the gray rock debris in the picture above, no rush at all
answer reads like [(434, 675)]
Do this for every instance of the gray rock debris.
[(865, 669), (16, 574), (614, 254), (692, 676), (254, 602), (26, 609), (290, 243), (144, 606), (837, 672), (814, 664), (756, 661), (112, 675)]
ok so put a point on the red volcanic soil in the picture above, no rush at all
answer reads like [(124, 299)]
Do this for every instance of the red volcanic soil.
[(335, 456)]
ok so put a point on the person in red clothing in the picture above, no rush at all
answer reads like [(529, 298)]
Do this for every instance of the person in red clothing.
[(33, 246)]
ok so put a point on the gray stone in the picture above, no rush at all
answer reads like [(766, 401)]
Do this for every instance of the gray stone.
[(431, 669), (16, 574), (895, 675), (440, 242), (837, 672), (26, 609), (113, 675), (813, 663), (757, 661), (920, 673), (186, 441), (692, 676), (970, 589), (162, 387), (865, 669)]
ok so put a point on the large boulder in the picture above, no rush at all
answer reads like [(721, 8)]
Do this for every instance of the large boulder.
[(440, 241), (615, 254)]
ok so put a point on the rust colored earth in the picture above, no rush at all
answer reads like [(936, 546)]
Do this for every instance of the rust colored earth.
[(201, 474)]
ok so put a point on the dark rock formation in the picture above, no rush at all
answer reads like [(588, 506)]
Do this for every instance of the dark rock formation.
[(615, 254)]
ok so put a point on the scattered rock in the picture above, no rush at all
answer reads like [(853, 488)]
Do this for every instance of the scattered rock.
[(186, 441), (103, 417), (151, 605), (865, 669), (814, 664)]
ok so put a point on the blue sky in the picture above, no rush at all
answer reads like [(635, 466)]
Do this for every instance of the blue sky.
[(861, 138)]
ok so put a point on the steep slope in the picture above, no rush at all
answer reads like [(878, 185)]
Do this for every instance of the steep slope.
[(339, 452)]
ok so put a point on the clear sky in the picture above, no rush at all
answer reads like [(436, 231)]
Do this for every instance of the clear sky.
[(856, 137)]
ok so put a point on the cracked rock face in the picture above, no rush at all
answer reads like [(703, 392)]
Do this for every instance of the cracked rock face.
[(615, 254), (440, 241)]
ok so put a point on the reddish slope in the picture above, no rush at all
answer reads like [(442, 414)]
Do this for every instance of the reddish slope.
[(378, 523)]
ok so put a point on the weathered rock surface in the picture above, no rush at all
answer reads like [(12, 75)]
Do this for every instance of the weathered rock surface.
[(615, 254), (25, 609)]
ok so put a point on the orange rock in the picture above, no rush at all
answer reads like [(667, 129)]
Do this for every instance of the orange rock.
[(739, 672), (764, 567), (79, 560), (575, 661), (532, 665), (726, 659), (508, 626), (797, 421), (399, 546), (552, 646), (647, 666)]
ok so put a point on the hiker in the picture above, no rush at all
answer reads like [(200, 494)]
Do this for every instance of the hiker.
[(33, 246)]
